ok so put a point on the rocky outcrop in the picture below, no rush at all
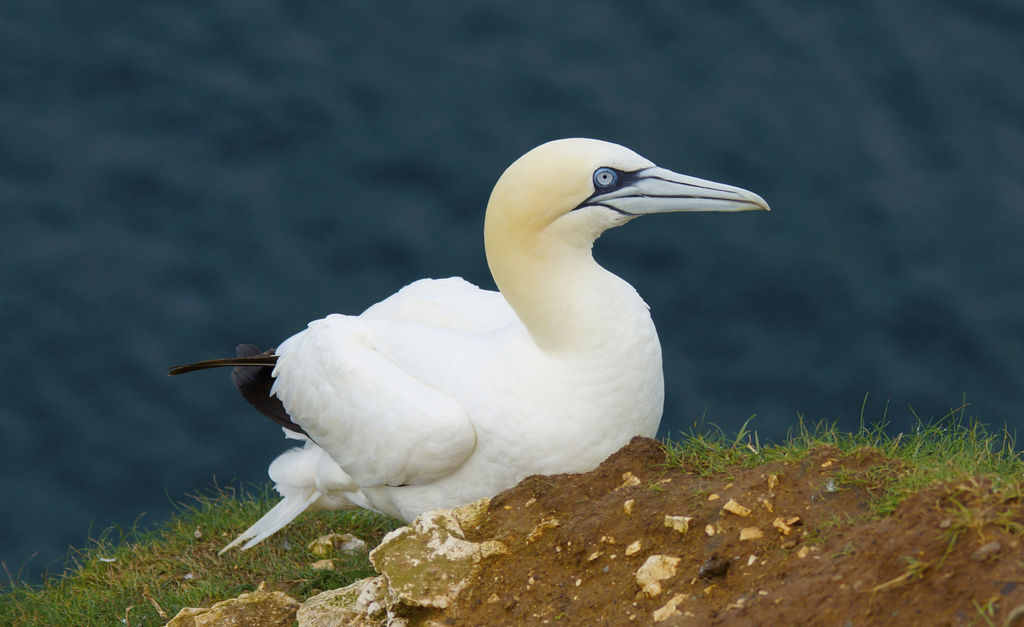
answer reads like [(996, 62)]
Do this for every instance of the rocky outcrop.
[(259, 608), (422, 567), (360, 604)]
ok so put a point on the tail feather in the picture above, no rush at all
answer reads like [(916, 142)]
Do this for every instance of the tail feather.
[(266, 358), (280, 515)]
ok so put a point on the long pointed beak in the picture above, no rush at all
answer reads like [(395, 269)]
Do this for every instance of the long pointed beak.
[(657, 190)]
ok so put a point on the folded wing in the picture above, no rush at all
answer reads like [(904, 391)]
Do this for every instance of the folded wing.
[(382, 425)]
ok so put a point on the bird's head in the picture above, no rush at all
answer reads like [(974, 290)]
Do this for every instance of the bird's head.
[(547, 209), (565, 193)]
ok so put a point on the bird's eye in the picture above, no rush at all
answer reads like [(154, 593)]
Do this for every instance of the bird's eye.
[(605, 178)]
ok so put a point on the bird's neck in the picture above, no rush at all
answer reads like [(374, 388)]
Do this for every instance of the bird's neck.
[(566, 301)]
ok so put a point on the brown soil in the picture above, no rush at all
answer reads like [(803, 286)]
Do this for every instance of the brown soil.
[(947, 556)]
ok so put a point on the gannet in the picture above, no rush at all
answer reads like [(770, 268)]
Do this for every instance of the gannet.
[(444, 393)]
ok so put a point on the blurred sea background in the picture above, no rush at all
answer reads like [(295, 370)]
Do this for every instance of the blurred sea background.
[(179, 178)]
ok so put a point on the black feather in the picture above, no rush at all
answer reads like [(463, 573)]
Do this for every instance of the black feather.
[(251, 375)]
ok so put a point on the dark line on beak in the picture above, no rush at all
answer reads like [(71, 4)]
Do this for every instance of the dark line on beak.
[(615, 209)]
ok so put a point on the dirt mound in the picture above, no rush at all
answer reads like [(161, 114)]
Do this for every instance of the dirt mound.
[(787, 543)]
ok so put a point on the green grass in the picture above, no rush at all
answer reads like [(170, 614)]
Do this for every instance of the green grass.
[(145, 577), (952, 448)]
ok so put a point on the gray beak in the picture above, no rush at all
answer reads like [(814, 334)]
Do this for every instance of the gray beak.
[(657, 190)]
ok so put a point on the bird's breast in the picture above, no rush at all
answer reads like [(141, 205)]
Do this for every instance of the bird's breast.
[(526, 403)]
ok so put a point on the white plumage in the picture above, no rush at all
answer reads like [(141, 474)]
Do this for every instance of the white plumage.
[(444, 393)]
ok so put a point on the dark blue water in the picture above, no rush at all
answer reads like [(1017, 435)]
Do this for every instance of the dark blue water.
[(176, 179)]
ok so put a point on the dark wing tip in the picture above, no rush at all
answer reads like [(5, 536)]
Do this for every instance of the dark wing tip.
[(251, 374), (254, 381)]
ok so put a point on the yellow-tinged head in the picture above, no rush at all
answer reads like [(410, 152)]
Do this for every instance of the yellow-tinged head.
[(591, 186), (550, 181), (550, 205)]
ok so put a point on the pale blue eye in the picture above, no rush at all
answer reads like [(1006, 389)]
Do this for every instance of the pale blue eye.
[(605, 178)]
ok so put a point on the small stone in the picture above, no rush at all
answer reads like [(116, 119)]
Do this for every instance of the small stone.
[(773, 481), (608, 539), (751, 559), (322, 565), (785, 524), (768, 505), (709, 529), (628, 480), (737, 604), (679, 523), (538, 531), (713, 497), (713, 567), (788, 544), (828, 462), (627, 507), (634, 548), (657, 568), (803, 552), (669, 609), (494, 598), (489, 548), (733, 507), (985, 550), (593, 556), (336, 542), (750, 533)]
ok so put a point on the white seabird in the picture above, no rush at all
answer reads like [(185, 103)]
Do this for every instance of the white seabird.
[(444, 393)]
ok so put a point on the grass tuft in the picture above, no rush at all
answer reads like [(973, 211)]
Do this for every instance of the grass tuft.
[(138, 577), (953, 448)]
